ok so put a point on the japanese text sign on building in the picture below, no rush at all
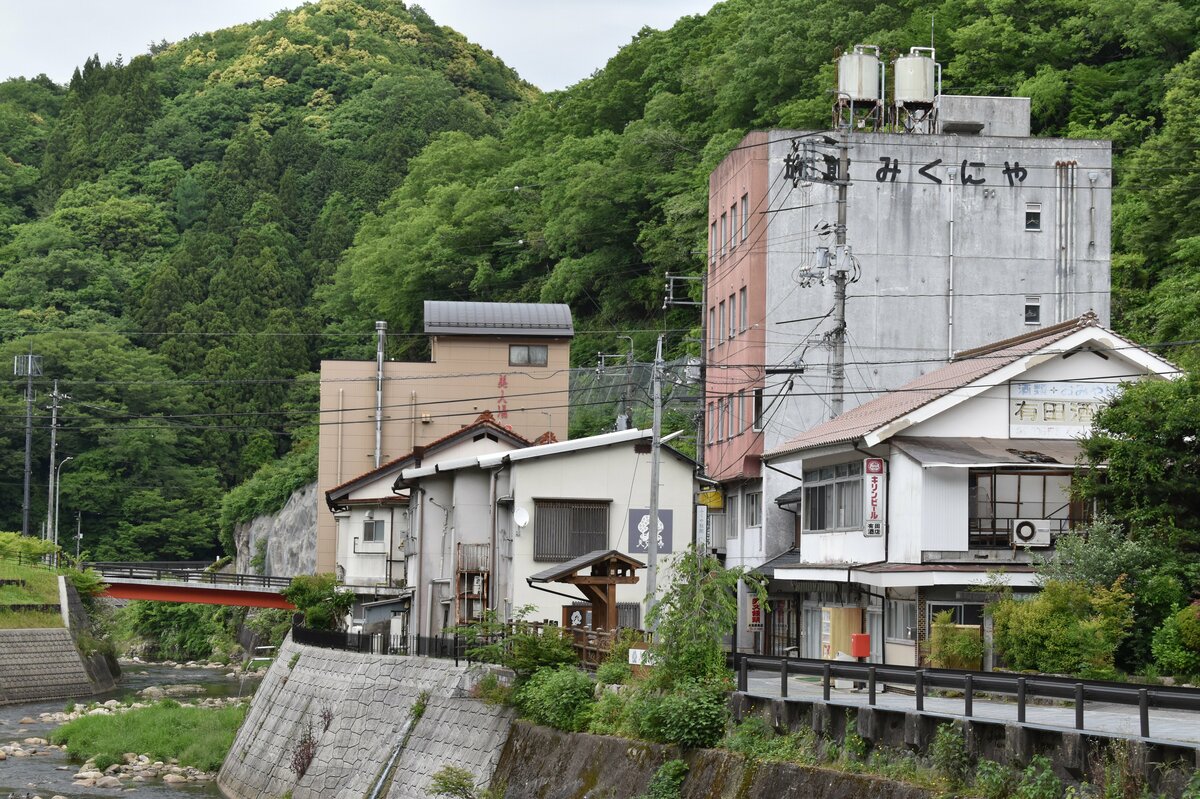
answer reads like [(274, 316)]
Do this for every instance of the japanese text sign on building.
[(756, 615), (874, 496), (1060, 409), (639, 530)]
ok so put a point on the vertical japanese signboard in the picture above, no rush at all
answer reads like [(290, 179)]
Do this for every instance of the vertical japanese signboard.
[(756, 615), (874, 496)]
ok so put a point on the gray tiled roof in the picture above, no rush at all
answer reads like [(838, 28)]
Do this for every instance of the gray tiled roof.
[(498, 318)]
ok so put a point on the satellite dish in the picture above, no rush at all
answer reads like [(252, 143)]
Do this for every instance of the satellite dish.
[(521, 517)]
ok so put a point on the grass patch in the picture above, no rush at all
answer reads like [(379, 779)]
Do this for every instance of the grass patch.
[(196, 736), (41, 585), (28, 619)]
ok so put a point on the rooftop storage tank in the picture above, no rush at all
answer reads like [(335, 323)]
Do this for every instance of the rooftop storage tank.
[(858, 73), (916, 77)]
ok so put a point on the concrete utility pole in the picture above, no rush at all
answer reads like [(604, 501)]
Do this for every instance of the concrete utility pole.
[(27, 366), (381, 334), (51, 508), (655, 445), (841, 276)]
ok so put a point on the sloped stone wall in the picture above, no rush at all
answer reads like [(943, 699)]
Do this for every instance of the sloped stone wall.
[(369, 699), (40, 664), (289, 537)]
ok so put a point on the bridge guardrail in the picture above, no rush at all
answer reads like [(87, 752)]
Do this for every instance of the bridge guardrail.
[(1022, 687), (151, 571)]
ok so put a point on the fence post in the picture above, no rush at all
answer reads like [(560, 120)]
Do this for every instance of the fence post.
[(783, 678), (871, 686), (455, 644), (825, 674), (919, 688), (968, 695), (1079, 706), (743, 674), (1020, 700), (1144, 711)]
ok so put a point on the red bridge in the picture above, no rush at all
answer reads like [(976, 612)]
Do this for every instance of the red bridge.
[(187, 581)]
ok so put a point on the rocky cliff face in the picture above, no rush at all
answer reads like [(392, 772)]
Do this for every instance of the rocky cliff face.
[(287, 539)]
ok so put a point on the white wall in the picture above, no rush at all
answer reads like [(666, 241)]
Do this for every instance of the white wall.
[(945, 510), (365, 562)]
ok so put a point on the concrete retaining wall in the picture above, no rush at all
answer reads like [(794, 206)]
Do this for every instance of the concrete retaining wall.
[(40, 664), (369, 699)]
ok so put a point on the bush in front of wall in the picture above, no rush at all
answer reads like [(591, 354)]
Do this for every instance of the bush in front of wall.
[(557, 697), (692, 714), (1176, 644)]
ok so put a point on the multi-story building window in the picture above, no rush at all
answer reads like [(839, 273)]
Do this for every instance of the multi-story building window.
[(711, 432), (724, 234), (565, 529), (742, 303), (372, 530), (833, 498), (712, 328), (733, 522), (753, 508), (745, 216), (741, 411), (901, 623), (527, 354), (721, 321), (758, 410), (732, 317), (733, 226), (712, 243)]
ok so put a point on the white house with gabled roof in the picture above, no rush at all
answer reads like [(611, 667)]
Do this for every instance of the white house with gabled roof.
[(904, 505), (484, 524)]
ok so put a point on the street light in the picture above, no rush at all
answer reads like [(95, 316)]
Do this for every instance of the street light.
[(58, 492)]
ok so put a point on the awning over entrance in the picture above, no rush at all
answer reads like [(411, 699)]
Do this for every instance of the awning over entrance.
[(895, 575), (994, 452)]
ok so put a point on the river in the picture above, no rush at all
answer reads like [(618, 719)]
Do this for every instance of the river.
[(50, 774)]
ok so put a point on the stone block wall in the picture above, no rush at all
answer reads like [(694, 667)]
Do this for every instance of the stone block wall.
[(370, 700), (40, 664)]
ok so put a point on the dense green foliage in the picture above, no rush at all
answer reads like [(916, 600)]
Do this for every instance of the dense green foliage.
[(176, 631), (1176, 643), (196, 736), (1068, 628), (520, 646), (559, 697), (184, 236), (952, 646), (317, 596)]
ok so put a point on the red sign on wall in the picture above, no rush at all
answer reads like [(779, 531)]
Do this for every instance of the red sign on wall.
[(756, 619)]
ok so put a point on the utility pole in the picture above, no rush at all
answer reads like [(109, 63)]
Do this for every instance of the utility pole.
[(840, 277), (27, 366), (655, 444), (78, 532), (51, 508), (670, 300)]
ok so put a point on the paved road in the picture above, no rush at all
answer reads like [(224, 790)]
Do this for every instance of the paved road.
[(1165, 725)]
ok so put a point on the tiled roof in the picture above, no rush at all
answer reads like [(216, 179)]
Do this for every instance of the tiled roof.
[(966, 368), (498, 318), (485, 420)]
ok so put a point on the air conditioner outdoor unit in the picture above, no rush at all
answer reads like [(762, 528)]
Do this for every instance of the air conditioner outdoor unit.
[(1031, 532)]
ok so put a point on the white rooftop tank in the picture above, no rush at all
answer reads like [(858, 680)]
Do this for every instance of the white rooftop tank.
[(916, 77), (858, 74)]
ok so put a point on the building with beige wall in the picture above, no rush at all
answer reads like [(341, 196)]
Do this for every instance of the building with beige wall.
[(510, 359)]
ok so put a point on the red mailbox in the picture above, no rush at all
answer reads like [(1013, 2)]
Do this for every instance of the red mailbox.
[(860, 645)]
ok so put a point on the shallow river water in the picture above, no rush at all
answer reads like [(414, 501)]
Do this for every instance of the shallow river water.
[(49, 774)]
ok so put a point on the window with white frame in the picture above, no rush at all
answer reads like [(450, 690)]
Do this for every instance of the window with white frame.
[(741, 411), (729, 417), (742, 303), (745, 216), (1033, 310), (712, 243), (754, 509), (372, 530), (720, 321), (528, 354), (711, 432), (724, 234), (732, 522), (833, 498), (565, 529), (712, 328), (732, 316), (901, 623), (758, 410), (733, 226)]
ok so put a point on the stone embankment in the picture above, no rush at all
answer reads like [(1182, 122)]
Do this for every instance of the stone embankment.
[(348, 725)]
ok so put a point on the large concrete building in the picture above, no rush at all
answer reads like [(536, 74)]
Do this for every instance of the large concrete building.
[(952, 241), (510, 359)]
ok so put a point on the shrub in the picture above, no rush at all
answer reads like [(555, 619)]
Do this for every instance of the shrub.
[(1069, 628), (607, 714), (557, 697), (667, 781), (949, 754), (952, 646), (755, 740), (305, 751), (318, 598), (613, 672), (1038, 781), (994, 781), (1176, 644), (492, 691), (693, 714), (523, 648)]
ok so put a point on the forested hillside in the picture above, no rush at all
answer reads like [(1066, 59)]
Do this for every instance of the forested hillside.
[(183, 237)]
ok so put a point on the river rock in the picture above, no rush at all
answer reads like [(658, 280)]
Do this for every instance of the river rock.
[(88, 774), (58, 796), (109, 782), (35, 741), (3, 755), (174, 779), (99, 711), (89, 783), (26, 720)]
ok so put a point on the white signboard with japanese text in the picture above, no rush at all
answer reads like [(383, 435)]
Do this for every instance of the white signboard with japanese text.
[(1060, 409), (874, 496)]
